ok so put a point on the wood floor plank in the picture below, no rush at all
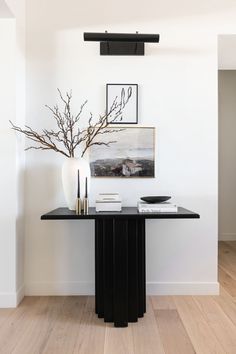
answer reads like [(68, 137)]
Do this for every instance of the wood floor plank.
[(173, 334), (219, 322), (146, 334), (35, 337), (63, 336), (163, 303), (227, 281), (4, 314), (227, 259), (119, 340), (227, 304), (17, 324), (201, 335), (231, 244), (223, 292), (91, 333)]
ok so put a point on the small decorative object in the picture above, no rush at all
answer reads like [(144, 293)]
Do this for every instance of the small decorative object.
[(133, 155), (130, 112), (86, 201), (78, 200), (69, 135), (78, 208), (155, 199), (108, 202)]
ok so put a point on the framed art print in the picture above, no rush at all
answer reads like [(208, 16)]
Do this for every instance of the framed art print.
[(124, 152), (130, 111)]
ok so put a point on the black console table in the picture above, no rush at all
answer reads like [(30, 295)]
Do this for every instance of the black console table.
[(120, 281)]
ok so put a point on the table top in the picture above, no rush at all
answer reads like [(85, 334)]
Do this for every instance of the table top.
[(127, 212)]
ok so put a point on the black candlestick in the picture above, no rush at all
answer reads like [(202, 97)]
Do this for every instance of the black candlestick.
[(78, 188), (86, 187)]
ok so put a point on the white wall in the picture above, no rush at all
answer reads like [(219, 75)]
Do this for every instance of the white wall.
[(227, 155), (178, 95), (12, 93), (17, 7), (227, 52), (8, 162), (5, 12)]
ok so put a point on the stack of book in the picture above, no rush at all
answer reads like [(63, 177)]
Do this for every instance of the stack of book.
[(108, 202), (157, 207)]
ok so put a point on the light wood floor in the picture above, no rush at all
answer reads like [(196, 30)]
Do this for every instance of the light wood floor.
[(172, 324)]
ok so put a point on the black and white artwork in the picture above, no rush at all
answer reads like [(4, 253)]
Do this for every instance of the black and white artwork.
[(125, 152), (130, 111)]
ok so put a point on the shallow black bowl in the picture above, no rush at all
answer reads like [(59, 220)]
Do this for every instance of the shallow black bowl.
[(155, 199)]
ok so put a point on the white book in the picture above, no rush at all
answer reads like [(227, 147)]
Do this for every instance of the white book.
[(108, 197), (116, 206), (108, 202), (166, 210), (157, 207)]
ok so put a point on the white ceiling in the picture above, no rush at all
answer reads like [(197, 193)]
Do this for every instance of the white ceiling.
[(227, 52), (4, 10)]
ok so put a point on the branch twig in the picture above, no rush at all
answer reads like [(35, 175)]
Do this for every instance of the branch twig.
[(68, 135)]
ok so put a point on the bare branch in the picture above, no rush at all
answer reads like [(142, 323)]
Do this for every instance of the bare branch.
[(115, 112), (68, 135), (40, 139), (102, 143)]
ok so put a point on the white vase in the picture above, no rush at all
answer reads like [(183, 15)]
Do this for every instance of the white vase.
[(70, 179)]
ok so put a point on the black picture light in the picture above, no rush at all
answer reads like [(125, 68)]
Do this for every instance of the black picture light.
[(121, 43)]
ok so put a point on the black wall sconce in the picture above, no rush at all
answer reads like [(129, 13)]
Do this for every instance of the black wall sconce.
[(122, 43)]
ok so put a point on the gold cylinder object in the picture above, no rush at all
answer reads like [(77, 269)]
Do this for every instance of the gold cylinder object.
[(86, 206), (78, 208)]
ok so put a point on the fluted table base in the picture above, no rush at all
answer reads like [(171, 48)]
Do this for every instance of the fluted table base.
[(120, 281)]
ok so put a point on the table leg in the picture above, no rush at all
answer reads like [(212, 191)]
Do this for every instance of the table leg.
[(141, 268), (120, 272), (120, 281), (99, 299), (108, 281)]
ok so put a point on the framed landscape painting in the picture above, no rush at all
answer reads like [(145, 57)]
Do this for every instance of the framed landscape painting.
[(130, 153)]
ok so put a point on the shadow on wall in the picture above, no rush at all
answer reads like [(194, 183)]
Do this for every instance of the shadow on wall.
[(107, 12), (43, 183), (59, 255)]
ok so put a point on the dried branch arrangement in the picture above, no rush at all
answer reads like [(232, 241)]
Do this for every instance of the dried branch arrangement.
[(68, 134)]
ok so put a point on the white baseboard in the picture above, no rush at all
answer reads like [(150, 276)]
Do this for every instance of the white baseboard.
[(227, 237), (7, 300), (60, 288), (153, 288), (196, 288), (11, 299)]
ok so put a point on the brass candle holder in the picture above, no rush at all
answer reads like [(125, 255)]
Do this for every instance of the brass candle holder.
[(82, 205), (86, 201), (86, 206), (78, 207)]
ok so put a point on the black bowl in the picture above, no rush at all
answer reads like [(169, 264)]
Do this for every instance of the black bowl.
[(155, 199)]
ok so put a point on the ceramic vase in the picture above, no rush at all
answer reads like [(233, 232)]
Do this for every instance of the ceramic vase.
[(70, 179)]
